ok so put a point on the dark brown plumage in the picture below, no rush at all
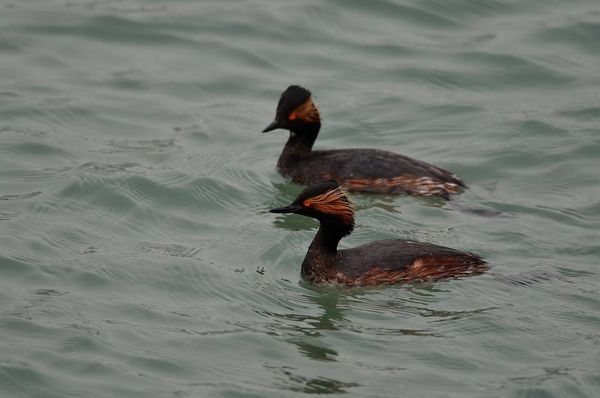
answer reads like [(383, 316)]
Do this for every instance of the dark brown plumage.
[(375, 263), (363, 170)]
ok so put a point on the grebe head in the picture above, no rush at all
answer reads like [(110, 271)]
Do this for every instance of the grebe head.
[(328, 202), (295, 111)]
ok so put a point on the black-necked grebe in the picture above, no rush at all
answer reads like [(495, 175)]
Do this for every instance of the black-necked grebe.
[(363, 170), (375, 263)]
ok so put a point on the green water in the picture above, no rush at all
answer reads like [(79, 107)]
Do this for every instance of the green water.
[(137, 257)]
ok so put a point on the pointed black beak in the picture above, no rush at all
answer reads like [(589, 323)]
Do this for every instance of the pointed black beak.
[(274, 125), (286, 209)]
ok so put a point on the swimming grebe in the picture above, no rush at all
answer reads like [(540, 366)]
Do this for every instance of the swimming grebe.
[(375, 263), (364, 170)]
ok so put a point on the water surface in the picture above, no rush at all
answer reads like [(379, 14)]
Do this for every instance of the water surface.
[(137, 258)]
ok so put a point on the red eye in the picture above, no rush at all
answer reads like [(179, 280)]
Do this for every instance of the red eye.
[(292, 116), (307, 203)]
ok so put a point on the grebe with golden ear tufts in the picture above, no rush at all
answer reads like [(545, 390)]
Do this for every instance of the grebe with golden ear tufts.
[(375, 263), (363, 170)]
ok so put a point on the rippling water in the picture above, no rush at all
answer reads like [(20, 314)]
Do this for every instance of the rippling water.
[(136, 255)]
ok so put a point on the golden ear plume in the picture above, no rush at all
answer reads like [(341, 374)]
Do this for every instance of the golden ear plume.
[(308, 112), (335, 202)]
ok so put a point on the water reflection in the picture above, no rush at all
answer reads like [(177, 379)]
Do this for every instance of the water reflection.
[(366, 313), (316, 385), (310, 343), (307, 330), (286, 192), (307, 337)]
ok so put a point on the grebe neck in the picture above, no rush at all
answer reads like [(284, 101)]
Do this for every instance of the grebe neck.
[(301, 142), (320, 258)]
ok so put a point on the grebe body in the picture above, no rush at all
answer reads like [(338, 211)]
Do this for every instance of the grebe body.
[(374, 263), (362, 170)]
